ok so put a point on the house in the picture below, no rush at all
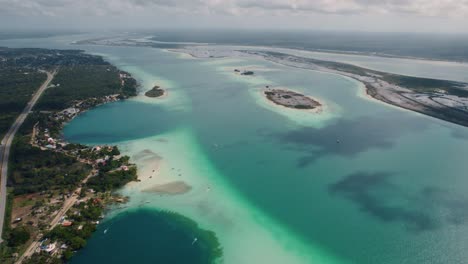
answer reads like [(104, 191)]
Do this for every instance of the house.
[(50, 146), (97, 148), (49, 248), (67, 223)]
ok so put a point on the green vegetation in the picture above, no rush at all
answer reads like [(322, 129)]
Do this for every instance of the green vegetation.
[(42, 257), (107, 181), (18, 236), (6, 252), (425, 85), (80, 82), (71, 236), (17, 85), (51, 172), (417, 84), (156, 91), (302, 106), (35, 170), (74, 237), (81, 76), (92, 154), (34, 58)]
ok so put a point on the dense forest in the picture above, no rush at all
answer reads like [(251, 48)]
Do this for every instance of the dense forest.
[(107, 181), (16, 87), (80, 76), (79, 82), (36, 170)]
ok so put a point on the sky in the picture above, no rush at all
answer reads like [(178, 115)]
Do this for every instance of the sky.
[(343, 15)]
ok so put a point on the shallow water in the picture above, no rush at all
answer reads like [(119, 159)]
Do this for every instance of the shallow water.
[(275, 186)]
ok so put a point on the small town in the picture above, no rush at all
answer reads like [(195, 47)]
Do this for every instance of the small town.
[(54, 223)]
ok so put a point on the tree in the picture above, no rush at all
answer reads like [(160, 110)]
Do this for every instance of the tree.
[(68, 254), (77, 243), (18, 236)]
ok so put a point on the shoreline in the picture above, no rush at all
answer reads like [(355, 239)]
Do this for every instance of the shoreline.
[(164, 186), (184, 50), (64, 117), (137, 43), (384, 86), (378, 88)]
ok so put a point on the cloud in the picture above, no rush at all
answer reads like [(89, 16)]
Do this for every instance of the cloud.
[(439, 8)]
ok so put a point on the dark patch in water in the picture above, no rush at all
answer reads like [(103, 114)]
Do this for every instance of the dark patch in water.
[(350, 137), (427, 209), (149, 236), (460, 133)]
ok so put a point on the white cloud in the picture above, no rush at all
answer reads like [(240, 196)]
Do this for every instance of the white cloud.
[(367, 15), (441, 8)]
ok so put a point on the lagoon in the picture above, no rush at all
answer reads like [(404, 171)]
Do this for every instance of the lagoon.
[(274, 185)]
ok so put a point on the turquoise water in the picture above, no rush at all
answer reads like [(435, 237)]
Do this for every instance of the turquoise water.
[(275, 185)]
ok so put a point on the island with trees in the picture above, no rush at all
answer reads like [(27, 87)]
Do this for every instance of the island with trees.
[(291, 99), (156, 91)]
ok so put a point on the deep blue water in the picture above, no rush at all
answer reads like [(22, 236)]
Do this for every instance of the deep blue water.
[(143, 236)]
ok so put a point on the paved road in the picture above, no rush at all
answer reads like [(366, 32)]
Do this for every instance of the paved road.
[(6, 145), (36, 243)]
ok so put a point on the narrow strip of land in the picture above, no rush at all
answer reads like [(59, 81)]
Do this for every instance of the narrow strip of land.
[(6, 146)]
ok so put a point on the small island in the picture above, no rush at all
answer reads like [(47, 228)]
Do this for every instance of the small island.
[(155, 92), (291, 99), (244, 72)]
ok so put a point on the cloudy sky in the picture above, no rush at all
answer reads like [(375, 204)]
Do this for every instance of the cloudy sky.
[(365, 15)]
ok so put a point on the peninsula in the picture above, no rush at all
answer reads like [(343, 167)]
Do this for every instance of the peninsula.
[(442, 99), (53, 209)]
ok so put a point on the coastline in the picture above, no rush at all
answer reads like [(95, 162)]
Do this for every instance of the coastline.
[(58, 144), (380, 89), (164, 186), (364, 94), (187, 197)]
